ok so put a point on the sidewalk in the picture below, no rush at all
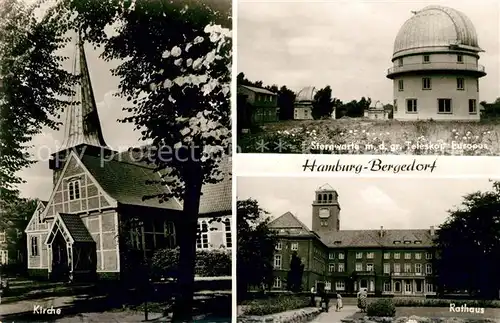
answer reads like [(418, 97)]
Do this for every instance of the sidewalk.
[(336, 317)]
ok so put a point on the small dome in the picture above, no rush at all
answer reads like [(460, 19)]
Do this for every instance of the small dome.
[(306, 94), (436, 26), (377, 106)]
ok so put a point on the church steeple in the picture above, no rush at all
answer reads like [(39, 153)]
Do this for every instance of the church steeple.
[(82, 125)]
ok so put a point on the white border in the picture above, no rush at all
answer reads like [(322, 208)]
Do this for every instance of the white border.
[(291, 165), (234, 237)]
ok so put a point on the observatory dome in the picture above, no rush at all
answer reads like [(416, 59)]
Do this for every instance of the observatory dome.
[(306, 94), (436, 26)]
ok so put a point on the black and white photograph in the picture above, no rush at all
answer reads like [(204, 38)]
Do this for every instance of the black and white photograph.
[(368, 250), (368, 77), (115, 165)]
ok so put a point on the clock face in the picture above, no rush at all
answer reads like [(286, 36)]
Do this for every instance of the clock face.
[(324, 213)]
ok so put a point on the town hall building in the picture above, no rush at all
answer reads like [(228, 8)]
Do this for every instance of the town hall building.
[(385, 262), (96, 210)]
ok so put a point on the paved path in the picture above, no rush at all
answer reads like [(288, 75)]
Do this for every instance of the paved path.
[(335, 317)]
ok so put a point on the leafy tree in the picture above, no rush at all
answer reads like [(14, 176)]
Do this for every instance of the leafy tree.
[(471, 232), (255, 248), (323, 105), (33, 85), (294, 281), (286, 100), (490, 110)]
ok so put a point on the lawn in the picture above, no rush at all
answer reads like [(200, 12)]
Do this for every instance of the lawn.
[(361, 136)]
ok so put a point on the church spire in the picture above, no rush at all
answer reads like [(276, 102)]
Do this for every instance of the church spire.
[(82, 125)]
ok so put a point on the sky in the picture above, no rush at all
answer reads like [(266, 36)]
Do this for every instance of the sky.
[(346, 44), (117, 135), (394, 203)]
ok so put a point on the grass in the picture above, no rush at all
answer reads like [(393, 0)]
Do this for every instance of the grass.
[(274, 305), (361, 136)]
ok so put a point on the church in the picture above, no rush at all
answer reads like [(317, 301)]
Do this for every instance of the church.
[(385, 262), (96, 212)]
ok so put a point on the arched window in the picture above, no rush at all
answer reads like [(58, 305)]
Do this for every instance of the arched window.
[(330, 198)]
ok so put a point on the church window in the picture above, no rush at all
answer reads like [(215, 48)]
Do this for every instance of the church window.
[(359, 255), (295, 246), (2, 236), (74, 190), (202, 241), (34, 246), (341, 255), (227, 229)]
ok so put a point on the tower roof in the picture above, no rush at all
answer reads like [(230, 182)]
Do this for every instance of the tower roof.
[(326, 188), (436, 26), (82, 124)]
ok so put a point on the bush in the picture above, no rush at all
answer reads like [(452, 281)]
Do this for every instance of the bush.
[(165, 263), (381, 308), (278, 304)]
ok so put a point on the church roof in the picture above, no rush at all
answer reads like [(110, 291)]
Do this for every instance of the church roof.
[(125, 181), (76, 228)]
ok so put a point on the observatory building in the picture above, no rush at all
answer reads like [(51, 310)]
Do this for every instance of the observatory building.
[(302, 108), (435, 69)]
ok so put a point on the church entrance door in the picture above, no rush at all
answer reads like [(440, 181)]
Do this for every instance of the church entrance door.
[(60, 264)]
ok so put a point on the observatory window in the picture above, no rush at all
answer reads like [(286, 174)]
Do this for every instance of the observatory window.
[(426, 83), (477, 85), (411, 106), (395, 105), (460, 58), (472, 106), (427, 59), (444, 105), (401, 85), (400, 62), (460, 83)]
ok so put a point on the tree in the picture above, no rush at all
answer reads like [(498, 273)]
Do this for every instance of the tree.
[(255, 248), (471, 232), (323, 105), (286, 100), (490, 110), (33, 86), (294, 281)]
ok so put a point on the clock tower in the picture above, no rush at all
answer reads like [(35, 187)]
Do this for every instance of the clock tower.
[(326, 210)]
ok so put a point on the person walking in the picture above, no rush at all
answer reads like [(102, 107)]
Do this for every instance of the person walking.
[(326, 301), (362, 296), (313, 297), (339, 303)]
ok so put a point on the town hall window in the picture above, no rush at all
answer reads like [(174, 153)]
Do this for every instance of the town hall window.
[(74, 190), (387, 268), (34, 246), (277, 261), (418, 268), (411, 105), (359, 255), (331, 255), (331, 268), (387, 255), (370, 255), (444, 105), (428, 269), (295, 246), (407, 268), (397, 255), (369, 267), (2, 237), (359, 266), (340, 268), (341, 255), (277, 282), (278, 246)]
